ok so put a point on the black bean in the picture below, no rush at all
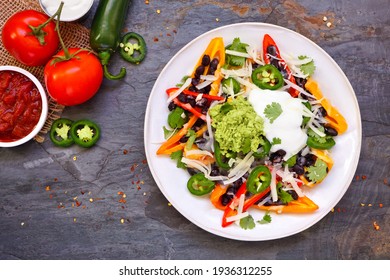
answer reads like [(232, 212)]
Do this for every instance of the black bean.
[(214, 63), (225, 199), (214, 170), (193, 88), (199, 71), (184, 139), (310, 159), (192, 171), (298, 169), (301, 82), (206, 89), (195, 81), (211, 71), (281, 152), (330, 130), (171, 106), (205, 60), (293, 194), (182, 97), (272, 50), (191, 100), (202, 102), (301, 161), (322, 111)]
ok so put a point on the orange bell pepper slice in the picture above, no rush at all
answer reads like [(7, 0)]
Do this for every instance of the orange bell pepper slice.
[(173, 142), (323, 155), (216, 195), (335, 119), (215, 49), (301, 205)]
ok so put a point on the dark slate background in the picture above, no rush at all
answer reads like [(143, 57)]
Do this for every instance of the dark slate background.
[(46, 192)]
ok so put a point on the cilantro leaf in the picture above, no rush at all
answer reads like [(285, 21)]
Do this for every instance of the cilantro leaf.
[(284, 196), (273, 111), (318, 138), (266, 219), (318, 171), (178, 155), (276, 141), (247, 222), (238, 47), (308, 68)]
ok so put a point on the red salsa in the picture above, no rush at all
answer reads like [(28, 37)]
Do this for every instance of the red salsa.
[(20, 106)]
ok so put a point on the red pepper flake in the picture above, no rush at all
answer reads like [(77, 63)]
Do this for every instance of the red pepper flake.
[(138, 187), (155, 39), (385, 181), (78, 203), (380, 205), (55, 179), (50, 196), (357, 177), (364, 177), (168, 34), (144, 161), (133, 167), (122, 200), (174, 31), (125, 152), (47, 188), (120, 193), (376, 226), (82, 192)]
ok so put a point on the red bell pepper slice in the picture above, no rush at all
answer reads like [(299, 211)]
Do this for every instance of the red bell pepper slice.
[(267, 42), (195, 94), (230, 211), (186, 106)]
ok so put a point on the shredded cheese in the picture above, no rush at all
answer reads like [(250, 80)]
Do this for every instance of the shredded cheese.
[(237, 217), (180, 90), (236, 53)]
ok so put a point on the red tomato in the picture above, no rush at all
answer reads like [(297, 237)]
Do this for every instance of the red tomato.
[(24, 46), (73, 81)]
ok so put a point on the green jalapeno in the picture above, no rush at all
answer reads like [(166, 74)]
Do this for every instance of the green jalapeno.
[(264, 150), (133, 52), (199, 185), (219, 157), (60, 132), (267, 77), (326, 143), (85, 133), (259, 179)]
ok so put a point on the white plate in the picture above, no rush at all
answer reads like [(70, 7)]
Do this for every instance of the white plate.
[(335, 86)]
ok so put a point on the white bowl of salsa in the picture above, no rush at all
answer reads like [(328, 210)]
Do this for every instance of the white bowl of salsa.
[(23, 106)]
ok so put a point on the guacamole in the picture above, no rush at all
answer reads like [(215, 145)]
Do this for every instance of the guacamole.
[(238, 128)]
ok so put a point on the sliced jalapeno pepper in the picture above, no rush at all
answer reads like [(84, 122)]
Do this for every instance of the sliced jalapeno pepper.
[(199, 185), (259, 179), (85, 133), (231, 83), (219, 157), (267, 77), (60, 132), (133, 52), (325, 145), (263, 150)]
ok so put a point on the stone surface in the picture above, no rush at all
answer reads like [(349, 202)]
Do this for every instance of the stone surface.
[(66, 203)]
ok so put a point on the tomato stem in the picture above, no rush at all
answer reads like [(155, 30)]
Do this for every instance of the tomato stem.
[(38, 32)]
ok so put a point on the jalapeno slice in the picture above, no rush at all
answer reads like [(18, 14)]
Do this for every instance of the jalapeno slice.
[(85, 133), (133, 52), (199, 185), (324, 145), (259, 179), (60, 132), (264, 150), (219, 157), (267, 77), (231, 83)]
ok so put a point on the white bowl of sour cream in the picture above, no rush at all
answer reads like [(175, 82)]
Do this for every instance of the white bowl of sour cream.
[(72, 10)]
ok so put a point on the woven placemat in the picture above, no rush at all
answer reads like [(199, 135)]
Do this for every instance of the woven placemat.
[(73, 34)]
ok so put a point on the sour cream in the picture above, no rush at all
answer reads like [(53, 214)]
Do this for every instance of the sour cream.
[(287, 126), (71, 11)]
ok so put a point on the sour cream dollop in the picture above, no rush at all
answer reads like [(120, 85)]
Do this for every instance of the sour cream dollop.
[(287, 126), (72, 9)]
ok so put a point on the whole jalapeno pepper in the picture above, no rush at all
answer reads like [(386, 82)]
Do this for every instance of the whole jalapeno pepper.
[(133, 52), (267, 77), (85, 133), (199, 185), (60, 132), (259, 179)]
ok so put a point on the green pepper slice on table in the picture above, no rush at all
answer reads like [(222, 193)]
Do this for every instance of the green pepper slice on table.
[(325, 144), (267, 77), (60, 132), (199, 185), (133, 52), (85, 133), (259, 179)]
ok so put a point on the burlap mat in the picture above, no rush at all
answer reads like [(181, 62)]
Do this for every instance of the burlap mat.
[(73, 34)]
